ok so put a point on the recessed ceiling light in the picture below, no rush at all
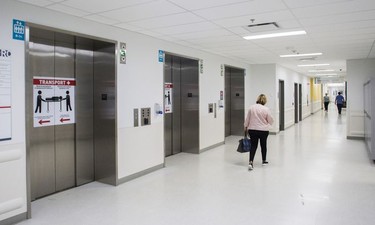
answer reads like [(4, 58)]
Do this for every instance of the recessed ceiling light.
[(282, 34), (301, 55), (318, 71), (322, 64)]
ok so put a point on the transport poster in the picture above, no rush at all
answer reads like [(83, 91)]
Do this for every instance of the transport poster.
[(168, 90), (53, 101), (5, 95)]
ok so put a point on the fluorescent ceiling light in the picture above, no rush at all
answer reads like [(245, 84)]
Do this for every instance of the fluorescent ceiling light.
[(326, 74), (283, 34), (323, 64), (318, 71), (301, 55)]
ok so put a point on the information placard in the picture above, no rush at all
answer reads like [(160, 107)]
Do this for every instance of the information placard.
[(168, 93), (54, 101), (5, 95)]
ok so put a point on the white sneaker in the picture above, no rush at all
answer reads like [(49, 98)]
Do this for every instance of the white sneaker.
[(251, 166), (264, 163)]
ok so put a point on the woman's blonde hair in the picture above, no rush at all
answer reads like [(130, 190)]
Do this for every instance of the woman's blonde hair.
[(262, 99)]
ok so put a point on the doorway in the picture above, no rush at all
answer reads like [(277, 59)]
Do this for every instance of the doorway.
[(281, 106), (234, 101), (300, 102), (70, 131), (296, 103), (181, 121)]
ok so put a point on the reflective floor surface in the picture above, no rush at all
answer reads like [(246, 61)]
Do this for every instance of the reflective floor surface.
[(315, 177)]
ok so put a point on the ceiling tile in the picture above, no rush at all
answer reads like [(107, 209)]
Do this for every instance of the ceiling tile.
[(68, 10), (95, 6), (199, 4), (334, 9), (202, 34), (167, 21), (144, 11), (307, 3), (258, 18), (150, 33), (337, 19), (188, 28), (37, 2), (221, 42), (241, 9), (343, 26), (101, 19), (127, 26)]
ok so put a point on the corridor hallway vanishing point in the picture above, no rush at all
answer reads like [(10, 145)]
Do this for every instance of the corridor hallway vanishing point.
[(315, 177)]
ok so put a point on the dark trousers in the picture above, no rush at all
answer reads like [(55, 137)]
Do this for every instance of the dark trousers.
[(255, 136), (326, 106), (339, 107)]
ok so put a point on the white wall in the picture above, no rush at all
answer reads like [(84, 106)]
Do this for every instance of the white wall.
[(290, 77), (265, 79), (12, 153), (262, 81), (142, 76), (358, 72)]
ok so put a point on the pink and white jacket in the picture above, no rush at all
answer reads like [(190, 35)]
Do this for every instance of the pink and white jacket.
[(258, 118)]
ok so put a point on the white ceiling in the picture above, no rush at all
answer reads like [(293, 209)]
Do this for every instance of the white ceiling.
[(340, 29)]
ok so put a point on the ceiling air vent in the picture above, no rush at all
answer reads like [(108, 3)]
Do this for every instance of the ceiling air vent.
[(261, 27)]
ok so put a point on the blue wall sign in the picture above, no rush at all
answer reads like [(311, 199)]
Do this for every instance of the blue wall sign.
[(18, 30), (161, 56)]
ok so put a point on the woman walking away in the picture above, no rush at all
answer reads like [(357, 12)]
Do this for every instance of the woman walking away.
[(326, 102), (258, 122)]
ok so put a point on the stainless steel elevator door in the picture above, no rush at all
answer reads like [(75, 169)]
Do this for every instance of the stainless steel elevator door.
[(181, 127), (105, 112), (176, 114), (189, 105), (64, 134), (85, 110), (168, 131), (235, 97), (41, 140)]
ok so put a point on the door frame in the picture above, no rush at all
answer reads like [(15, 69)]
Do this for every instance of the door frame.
[(281, 105), (296, 103), (28, 25), (181, 56), (225, 100)]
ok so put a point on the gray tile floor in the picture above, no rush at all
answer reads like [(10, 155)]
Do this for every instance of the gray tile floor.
[(315, 177)]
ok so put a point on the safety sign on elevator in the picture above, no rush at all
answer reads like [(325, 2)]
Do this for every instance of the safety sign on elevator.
[(54, 101)]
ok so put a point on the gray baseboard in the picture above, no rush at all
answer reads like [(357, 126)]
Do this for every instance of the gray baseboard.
[(139, 174), (211, 147), (14, 219), (355, 138)]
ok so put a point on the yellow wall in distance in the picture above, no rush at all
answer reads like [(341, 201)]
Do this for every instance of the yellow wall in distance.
[(316, 91)]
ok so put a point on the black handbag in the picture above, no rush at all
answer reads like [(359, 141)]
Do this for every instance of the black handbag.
[(244, 144)]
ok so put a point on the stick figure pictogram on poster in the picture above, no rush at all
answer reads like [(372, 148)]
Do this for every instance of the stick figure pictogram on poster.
[(39, 100), (168, 96), (67, 98)]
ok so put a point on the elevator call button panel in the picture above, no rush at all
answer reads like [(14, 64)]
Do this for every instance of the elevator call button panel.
[(145, 116)]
